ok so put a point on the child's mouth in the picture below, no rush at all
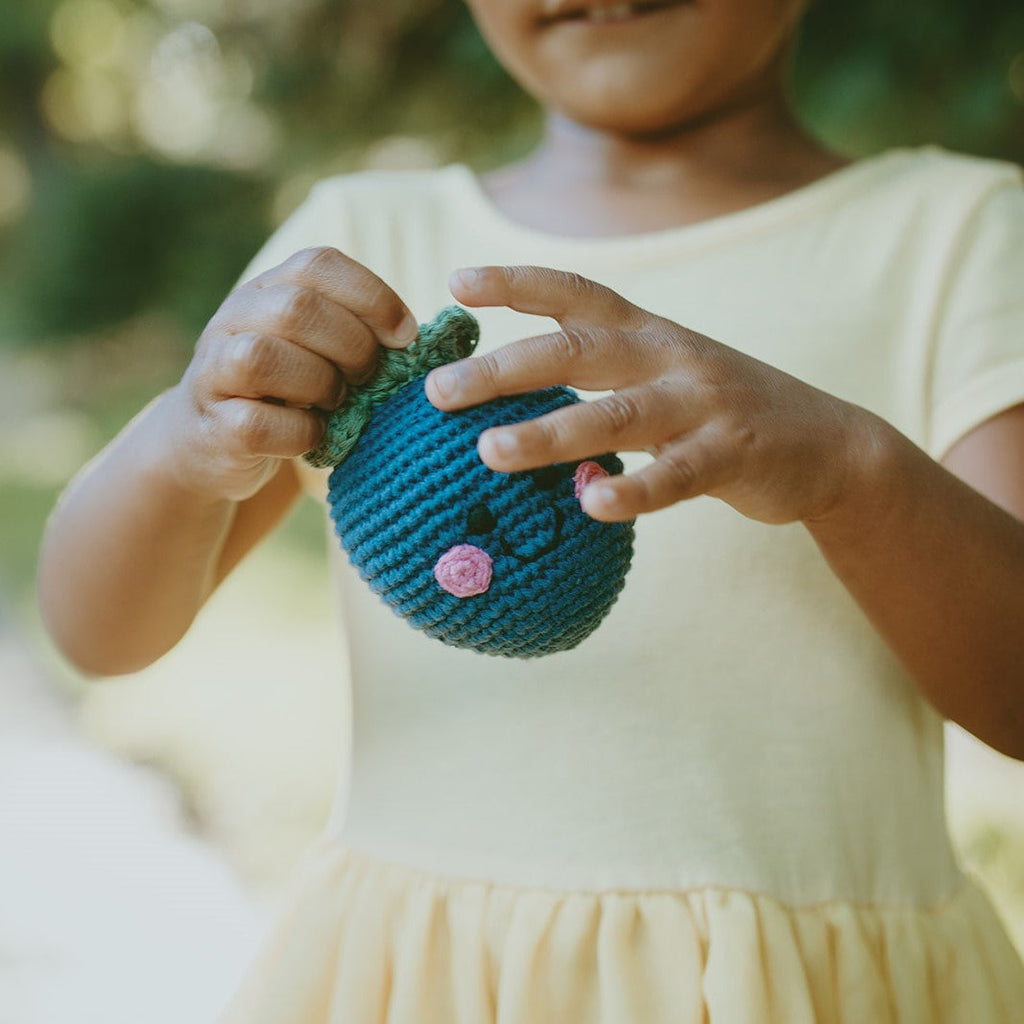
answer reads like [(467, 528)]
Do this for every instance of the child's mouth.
[(603, 14)]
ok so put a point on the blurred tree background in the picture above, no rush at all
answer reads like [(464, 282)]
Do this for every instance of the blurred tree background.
[(148, 147)]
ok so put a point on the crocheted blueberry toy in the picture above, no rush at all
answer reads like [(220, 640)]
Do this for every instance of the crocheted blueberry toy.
[(502, 563)]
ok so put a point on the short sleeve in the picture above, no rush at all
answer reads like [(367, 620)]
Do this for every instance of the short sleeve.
[(978, 365), (318, 220)]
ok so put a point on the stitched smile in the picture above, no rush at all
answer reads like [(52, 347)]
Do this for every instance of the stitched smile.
[(556, 538)]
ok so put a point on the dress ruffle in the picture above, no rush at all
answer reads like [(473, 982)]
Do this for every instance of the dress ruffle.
[(363, 941)]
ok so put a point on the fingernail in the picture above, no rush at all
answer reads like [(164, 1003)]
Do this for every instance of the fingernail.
[(467, 277), (407, 331), (504, 442), (445, 383), (602, 493)]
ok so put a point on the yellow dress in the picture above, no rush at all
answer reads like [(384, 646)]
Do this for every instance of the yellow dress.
[(726, 805)]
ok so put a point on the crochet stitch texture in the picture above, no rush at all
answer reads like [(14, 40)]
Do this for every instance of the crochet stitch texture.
[(501, 563), (451, 335)]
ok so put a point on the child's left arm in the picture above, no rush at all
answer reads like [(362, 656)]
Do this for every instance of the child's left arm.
[(936, 565)]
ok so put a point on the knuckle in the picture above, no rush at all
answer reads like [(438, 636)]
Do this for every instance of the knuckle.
[(680, 471), (196, 386), (517, 275), (251, 358), (570, 344), (317, 258), (361, 373), (365, 362), (333, 390), (252, 427), (380, 298), (311, 431), (613, 305), (620, 412), (745, 444), (545, 432), (299, 309), (576, 284), (745, 435), (489, 370)]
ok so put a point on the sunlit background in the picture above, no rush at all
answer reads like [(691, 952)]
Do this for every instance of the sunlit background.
[(146, 150)]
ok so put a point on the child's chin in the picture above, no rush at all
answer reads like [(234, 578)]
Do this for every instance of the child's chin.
[(632, 102)]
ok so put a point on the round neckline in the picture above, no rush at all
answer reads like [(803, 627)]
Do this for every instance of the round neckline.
[(470, 191)]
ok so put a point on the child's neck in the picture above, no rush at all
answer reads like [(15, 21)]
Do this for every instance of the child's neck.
[(580, 181)]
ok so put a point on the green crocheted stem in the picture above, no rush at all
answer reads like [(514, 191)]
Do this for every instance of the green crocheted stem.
[(451, 335)]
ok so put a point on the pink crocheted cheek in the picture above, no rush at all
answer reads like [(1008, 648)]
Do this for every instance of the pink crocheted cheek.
[(586, 472), (464, 570)]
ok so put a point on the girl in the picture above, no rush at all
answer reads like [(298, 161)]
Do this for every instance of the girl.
[(726, 805)]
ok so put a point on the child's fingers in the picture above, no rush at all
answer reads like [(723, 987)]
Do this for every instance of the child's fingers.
[(261, 429), (545, 292), (605, 342), (593, 358), (306, 317), (356, 288), (633, 419), (253, 365), (698, 464)]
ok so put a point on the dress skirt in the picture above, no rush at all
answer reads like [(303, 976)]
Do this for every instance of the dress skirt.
[(357, 940)]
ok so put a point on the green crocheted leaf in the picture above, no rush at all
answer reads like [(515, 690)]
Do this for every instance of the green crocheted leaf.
[(451, 335)]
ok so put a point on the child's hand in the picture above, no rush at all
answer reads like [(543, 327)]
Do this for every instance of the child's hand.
[(273, 360), (718, 422)]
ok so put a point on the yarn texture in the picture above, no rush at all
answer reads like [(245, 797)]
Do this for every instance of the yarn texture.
[(501, 563), (451, 335)]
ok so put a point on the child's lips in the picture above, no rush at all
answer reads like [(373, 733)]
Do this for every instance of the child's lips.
[(601, 14)]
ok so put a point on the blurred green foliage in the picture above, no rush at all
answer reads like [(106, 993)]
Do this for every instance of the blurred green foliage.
[(117, 222), (950, 72), (115, 225), (111, 238)]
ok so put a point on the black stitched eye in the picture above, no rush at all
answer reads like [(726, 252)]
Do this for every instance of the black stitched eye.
[(480, 520), (546, 478)]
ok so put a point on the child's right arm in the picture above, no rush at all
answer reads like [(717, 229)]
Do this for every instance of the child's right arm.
[(145, 532)]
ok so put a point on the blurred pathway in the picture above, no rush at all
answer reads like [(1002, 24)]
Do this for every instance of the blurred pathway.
[(111, 910)]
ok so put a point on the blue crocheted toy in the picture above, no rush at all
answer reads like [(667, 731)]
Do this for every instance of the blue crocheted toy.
[(502, 563)]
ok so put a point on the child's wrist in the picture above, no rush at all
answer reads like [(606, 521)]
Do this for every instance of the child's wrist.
[(175, 462), (872, 472)]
